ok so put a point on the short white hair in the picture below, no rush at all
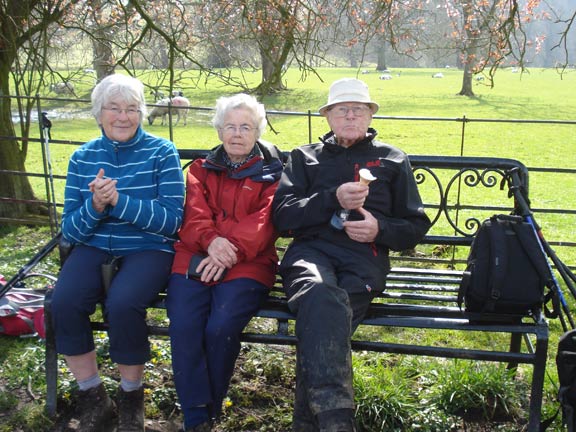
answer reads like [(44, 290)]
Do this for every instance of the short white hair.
[(225, 104), (117, 86)]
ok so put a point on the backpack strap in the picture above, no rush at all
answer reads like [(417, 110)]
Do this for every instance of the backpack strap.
[(530, 242), (531, 246), (498, 257)]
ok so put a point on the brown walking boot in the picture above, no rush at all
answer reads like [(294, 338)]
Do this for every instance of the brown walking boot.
[(130, 410), (94, 409)]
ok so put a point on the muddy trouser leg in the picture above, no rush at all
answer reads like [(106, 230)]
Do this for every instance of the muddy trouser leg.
[(325, 319), (303, 419)]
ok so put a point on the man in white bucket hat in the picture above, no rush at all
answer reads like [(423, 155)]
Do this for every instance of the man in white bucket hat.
[(335, 266), (348, 90)]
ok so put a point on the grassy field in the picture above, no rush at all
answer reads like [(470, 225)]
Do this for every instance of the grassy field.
[(411, 393)]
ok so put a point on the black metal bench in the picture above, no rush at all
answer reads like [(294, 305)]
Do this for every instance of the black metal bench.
[(459, 193)]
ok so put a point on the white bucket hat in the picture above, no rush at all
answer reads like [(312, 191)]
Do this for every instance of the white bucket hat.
[(348, 90)]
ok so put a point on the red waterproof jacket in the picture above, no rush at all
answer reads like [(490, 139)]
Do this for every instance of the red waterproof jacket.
[(235, 205)]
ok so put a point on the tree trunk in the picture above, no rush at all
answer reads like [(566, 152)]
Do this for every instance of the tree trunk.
[(466, 89), (274, 53), (16, 31), (352, 58), (161, 59), (219, 56), (469, 50), (12, 158), (103, 56), (381, 66), (271, 75), (275, 45)]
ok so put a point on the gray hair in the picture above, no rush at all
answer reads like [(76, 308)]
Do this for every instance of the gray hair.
[(225, 104), (117, 86)]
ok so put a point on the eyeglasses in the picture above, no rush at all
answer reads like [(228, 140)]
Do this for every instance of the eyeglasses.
[(342, 111), (130, 112), (242, 129)]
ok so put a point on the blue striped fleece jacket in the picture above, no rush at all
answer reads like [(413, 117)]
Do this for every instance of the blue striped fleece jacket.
[(151, 195)]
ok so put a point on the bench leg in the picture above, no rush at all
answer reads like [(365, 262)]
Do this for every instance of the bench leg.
[(538, 381), (51, 360), (515, 347)]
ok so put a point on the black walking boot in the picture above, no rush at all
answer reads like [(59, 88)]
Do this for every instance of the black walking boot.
[(130, 410), (338, 420), (202, 427)]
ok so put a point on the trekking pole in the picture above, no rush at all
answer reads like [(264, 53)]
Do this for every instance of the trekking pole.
[(547, 251), (526, 213), (45, 127), (564, 271), (569, 272), (26, 268)]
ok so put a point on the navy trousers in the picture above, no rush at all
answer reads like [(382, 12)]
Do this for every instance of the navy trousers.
[(206, 322), (79, 289)]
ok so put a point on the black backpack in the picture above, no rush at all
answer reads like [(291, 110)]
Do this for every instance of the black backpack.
[(506, 269)]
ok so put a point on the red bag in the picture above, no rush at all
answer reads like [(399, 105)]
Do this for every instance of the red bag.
[(22, 312)]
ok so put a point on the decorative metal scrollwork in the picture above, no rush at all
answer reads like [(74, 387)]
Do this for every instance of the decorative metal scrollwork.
[(462, 217), (420, 174)]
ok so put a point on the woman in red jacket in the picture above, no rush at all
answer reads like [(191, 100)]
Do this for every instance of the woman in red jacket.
[(225, 259)]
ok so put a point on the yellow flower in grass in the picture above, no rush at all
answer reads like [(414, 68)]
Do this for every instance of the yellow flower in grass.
[(228, 403)]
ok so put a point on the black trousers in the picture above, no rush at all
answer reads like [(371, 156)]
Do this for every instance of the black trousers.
[(325, 291)]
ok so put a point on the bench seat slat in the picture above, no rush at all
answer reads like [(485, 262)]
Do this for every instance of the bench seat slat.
[(420, 297), (391, 288)]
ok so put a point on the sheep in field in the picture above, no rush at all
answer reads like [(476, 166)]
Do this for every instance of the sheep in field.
[(61, 88), (179, 108)]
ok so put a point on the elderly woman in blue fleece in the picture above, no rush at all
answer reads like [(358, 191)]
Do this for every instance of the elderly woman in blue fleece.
[(123, 207)]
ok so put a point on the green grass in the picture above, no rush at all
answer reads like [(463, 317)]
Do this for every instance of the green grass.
[(384, 394), (475, 389), (23, 385), (19, 245), (417, 394)]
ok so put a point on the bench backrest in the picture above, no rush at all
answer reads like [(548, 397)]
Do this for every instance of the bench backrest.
[(459, 193)]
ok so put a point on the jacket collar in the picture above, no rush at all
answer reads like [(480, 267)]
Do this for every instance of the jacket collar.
[(261, 168), (136, 139), (330, 139)]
